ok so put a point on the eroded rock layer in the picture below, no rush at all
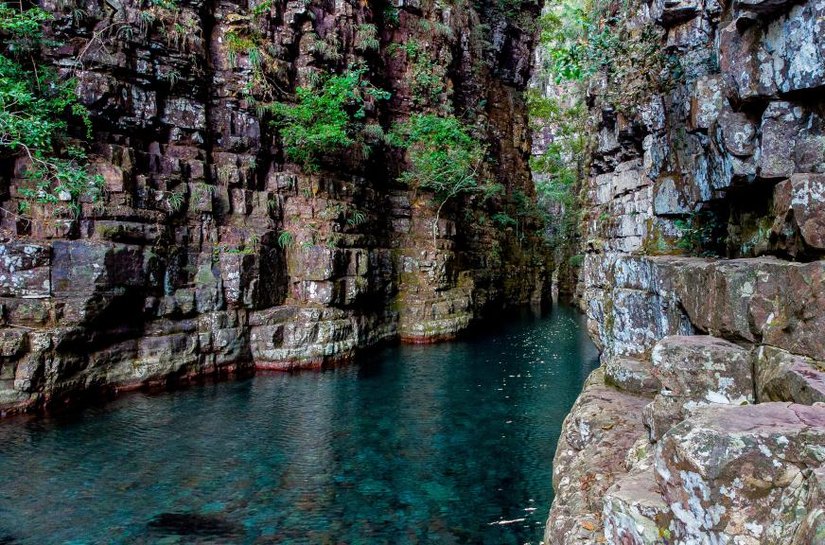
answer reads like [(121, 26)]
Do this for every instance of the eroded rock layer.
[(212, 253), (706, 423)]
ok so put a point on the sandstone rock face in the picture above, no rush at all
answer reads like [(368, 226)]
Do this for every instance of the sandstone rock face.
[(212, 253), (696, 372), (602, 426), (702, 280)]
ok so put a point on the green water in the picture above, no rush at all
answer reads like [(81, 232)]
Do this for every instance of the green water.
[(416, 444)]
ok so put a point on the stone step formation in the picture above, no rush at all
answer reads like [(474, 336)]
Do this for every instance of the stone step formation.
[(703, 209)]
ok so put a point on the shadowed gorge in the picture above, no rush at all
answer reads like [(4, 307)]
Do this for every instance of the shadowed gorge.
[(200, 190)]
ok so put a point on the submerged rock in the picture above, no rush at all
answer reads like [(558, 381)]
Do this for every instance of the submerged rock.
[(194, 524)]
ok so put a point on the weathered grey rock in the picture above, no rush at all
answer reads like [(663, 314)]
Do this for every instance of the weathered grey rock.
[(24, 270), (80, 267), (799, 211), (13, 342), (740, 59), (737, 132), (704, 369), (741, 474), (797, 44), (601, 427), (762, 6), (635, 512), (782, 376), (791, 141), (707, 102), (812, 529), (633, 375), (669, 12)]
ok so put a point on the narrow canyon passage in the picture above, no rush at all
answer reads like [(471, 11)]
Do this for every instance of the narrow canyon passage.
[(416, 444)]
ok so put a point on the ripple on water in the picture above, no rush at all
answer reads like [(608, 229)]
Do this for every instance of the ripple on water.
[(420, 444)]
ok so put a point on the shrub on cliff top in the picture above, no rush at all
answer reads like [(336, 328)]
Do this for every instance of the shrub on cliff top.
[(34, 106), (326, 117)]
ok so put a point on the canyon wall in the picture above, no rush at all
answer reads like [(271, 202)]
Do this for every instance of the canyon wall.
[(211, 253), (703, 284)]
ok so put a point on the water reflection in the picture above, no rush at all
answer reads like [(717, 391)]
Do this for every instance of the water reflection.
[(436, 444)]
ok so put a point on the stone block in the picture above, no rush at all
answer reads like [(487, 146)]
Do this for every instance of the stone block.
[(706, 103), (635, 512), (741, 474), (632, 375), (80, 267), (799, 212), (704, 369), (25, 270), (782, 376)]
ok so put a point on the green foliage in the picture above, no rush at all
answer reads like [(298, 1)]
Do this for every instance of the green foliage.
[(366, 38), (428, 75), (22, 29), (392, 16), (356, 217), (327, 118), (286, 239), (576, 42), (175, 200), (580, 38), (35, 105), (562, 164), (327, 49), (262, 9), (238, 44), (443, 155), (504, 220)]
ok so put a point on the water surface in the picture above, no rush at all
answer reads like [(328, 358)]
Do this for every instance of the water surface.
[(442, 444)]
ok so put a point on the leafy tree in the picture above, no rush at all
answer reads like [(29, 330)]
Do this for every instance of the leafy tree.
[(326, 118), (577, 43), (444, 157), (34, 106)]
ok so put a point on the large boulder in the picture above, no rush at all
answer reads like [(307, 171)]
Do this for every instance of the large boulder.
[(742, 474), (695, 372)]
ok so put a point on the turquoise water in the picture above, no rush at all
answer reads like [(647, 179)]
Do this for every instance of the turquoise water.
[(417, 444)]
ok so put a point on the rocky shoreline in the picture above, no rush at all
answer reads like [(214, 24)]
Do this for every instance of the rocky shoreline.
[(706, 422)]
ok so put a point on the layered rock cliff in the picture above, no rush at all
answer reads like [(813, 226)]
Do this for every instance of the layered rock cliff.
[(702, 278), (212, 253)]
